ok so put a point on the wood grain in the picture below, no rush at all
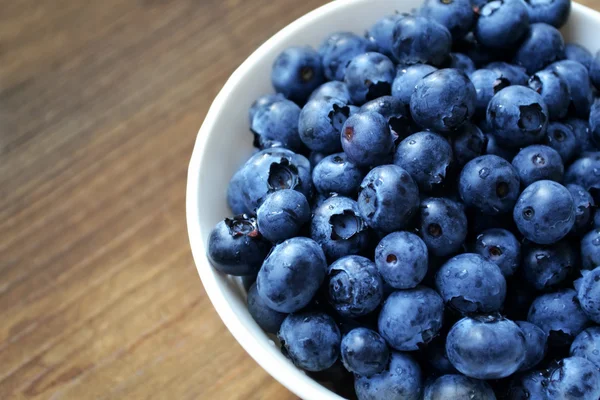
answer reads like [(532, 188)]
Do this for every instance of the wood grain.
[(100, 103)]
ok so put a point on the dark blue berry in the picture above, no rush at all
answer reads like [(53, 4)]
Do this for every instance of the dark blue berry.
[(443, 225), (500, 247), (366, 139), (276, 125), (588, 293), (382, 32), (535, 344), (554, 92), (420, 40), (554, 12), (235, 194), (578, 53), (458, 387), (268, 319), (501, 23), (336, 174), (469, 143), (456, 15), (335, 89), (515, 74), (577, 78), (407, 78), (262, 101), (590, 249), (545, 267), (538, 162), (587, 345), (561, 138), (574, 378), (585, 172), (296, 72), (487, 83), (396, 113), (369, 76), (584, 208), (338, 49), (461, 62), (282, 215), (364, 352), (543, 44), (401, 380), (402, 259), (320, 123)]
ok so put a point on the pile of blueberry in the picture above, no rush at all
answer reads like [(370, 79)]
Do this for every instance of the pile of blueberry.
[(419, 219)]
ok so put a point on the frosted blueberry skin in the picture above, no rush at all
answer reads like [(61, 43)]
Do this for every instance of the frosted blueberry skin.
[(468, 143), (584, 208), (559, 315), (296, 72), (595, 70), (338, 49), (411, 318), (282, 215), (590, 249), (276, 125), (545, 212), (355, 286), (395, 112), (263, 101), (427, 157), (562, 138), (369, 76), (536, 341), (554, 92), (486, 347), (291, 274), (545, 267), (268, 319), (595, 123), (587, 345), (443, 225), (337, 174), (418, 39), (457, 16), (574, 377), (584, 172), (469, 283), (338, 228), (364, 352), (500, 247), (333, 89), (501, 24), (543, 44), (453, 387), (515, 74), (555, 12), (235, 194), (461, 62), (517, 116), (235, 247), (320, 122), (402, 259), (490, 184), (531, 385), (443, 100), (311, 340), (538, 162), (577, 78), (487, 83), (588, 293), (407, 78), (401, 380), (381, 33), (581, 129), (388, 198), (367, 139), (578, 53)]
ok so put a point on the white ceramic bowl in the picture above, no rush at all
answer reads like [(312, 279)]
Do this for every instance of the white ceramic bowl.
[(224, 143)]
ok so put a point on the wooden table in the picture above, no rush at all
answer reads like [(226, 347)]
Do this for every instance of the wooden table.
[(100, 103)]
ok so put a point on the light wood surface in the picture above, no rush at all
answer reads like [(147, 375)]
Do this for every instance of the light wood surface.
[(100, 103)]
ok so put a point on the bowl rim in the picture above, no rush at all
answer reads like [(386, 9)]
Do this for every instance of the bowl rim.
[(302, 385)]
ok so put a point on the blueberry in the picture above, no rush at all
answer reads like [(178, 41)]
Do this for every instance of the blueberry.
[(493, 148), (401, 380), (366, 139), (544, 267), (537, 162), (320, 123), (577, 79), (311, 340), (235, 247), (581, 129), (315, 157), (554, 92), (500, 247), (578, 53), (268, 319), (282, 215), (487, 83), (531, 385), (396, 113), (364, 352), (543, 44), (338, 227), (410, 318), (458, 387), (427, 157), (435, 355), (235, 194), (515, 74), (574, 378), (587, 345), (296, 72), (561, 138), (275, 169), (461, 62), (597, 219), (443, 225), (276, 125), (480, 54), (585, 172), (470, 283), (595, 123), (554, 12), (336, 174), (264, 101), (456, 15), (402, 259), (490, 184), (517, 116), (595, 70), (407, 78), (335, 89), (369, 76), (535, 344), (469, 143), (584, 208), (382, 32), (443, 100), (590, 249), (355, 286), (420, 40), (545, 212), (559, 315), (388, 198), (501, 23), (486, 347), (291, 274), (588, 294), (338, 49)]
